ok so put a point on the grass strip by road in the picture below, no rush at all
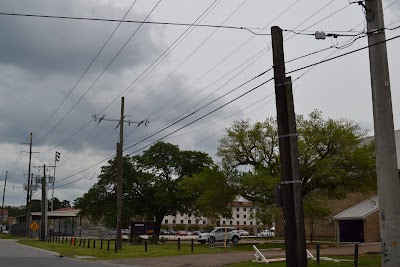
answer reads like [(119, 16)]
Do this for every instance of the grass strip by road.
[(372, 260), (134, 251)]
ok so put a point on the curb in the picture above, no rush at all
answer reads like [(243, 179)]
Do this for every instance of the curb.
[(48, 252)]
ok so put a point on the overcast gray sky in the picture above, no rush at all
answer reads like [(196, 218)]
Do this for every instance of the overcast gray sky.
[(165, 72)]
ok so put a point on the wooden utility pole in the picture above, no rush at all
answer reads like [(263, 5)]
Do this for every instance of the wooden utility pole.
[(43, 213), (386, 156), (4, 193), (120, 164), (28, 190), (295, 240)]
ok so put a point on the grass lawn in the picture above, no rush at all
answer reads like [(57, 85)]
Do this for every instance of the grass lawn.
[(4, 236), (134, 251), (363, 260)]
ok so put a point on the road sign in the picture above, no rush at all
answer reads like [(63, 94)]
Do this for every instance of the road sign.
[(34, 226)]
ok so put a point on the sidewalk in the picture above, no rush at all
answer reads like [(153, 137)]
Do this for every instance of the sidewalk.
[(223, 259)]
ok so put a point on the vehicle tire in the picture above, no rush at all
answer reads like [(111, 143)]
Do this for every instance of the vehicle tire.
[(235, 240)]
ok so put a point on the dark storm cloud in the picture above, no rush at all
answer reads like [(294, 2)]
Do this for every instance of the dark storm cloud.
[(50, 45)]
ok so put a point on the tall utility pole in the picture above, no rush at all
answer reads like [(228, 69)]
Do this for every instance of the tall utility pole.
[(120, 159), (43, 213), (295, 239), (4, 193), (56, 159), (386, 156), (120, 170), (28, 191)]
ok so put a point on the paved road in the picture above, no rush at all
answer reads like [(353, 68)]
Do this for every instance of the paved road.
[(13, 254)]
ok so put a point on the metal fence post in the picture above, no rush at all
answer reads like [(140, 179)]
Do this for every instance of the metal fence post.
[(355, 255)]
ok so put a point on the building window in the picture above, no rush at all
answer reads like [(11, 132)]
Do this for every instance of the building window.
[(181, 221), (173, 221), (244, 222), (244, 209), (223, 222), (166, 221), (237, 222), (189, 221), (230, 223), (251, 223), (204, 221), (237, 209), (244, 215)]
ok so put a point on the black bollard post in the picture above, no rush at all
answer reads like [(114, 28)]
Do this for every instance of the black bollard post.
[(75, 241), (192, 244), (355, 255), (94, 243), (84, 242), (108, 245), (66, 241), (88, 243), (318, 255), (145, 246), (179, 244), (62, 242), (80, 242), (115, 246), (101, 244)]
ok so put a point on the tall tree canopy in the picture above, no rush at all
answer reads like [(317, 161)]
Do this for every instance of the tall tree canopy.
[(334, 159), (152, 185)]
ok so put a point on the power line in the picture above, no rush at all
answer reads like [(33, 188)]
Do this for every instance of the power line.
[(249, 29), (345, 54)]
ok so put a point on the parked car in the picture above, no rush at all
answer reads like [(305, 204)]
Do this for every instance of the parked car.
[(202, 238), (266, 233), (5, 232), (218, 234), (181, 233), (243, 233), (196, 232), (171, 232), (164, 232)]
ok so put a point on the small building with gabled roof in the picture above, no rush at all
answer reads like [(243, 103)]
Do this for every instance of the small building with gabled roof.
[(359, 223)]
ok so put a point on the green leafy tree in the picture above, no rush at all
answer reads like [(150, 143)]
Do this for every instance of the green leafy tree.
[(151, 185), (334, 158), (210, 193)]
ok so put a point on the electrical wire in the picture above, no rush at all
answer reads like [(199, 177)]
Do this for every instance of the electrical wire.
[(249, 29), (342, 55)]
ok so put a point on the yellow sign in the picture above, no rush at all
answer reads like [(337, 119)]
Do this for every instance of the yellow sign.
[(34, 226)]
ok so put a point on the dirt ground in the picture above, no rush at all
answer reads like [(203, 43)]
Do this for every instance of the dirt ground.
[(223, 259)]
